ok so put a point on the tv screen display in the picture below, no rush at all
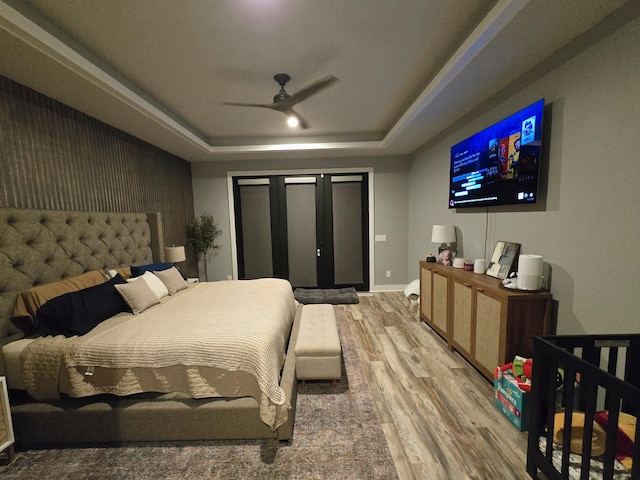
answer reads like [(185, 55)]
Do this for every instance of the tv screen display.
[(499, 165)]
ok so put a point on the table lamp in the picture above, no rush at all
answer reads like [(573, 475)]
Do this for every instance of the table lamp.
[(443, 234), (174, 255)]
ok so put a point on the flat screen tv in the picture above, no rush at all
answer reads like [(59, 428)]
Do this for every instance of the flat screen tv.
[(499, 165)]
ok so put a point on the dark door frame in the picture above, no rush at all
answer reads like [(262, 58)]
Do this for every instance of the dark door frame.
[(369, 235)]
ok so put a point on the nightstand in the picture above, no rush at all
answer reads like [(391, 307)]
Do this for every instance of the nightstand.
[(6, 428)]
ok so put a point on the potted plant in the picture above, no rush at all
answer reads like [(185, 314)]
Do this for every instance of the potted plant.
[(201, 234)]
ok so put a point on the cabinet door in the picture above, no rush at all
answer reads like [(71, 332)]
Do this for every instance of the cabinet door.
[(425, 294), (462, 326), (490, 331), (440, 306)]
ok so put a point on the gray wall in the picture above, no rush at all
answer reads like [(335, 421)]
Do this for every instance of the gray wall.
[(590, 228), (55, 157), (390, 208)]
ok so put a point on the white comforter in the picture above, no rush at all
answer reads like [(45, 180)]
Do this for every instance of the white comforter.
[(236, 326)]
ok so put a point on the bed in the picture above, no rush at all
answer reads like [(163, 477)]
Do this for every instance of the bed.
[(172, 371), (584, 407)]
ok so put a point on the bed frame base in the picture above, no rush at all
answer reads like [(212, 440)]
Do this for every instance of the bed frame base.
[(144, 417), (138, 420)]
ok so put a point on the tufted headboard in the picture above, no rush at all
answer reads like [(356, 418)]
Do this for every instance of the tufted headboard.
[(44, 246)]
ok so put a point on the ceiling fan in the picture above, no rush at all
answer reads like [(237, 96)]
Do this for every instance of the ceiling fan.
[(283, 102)]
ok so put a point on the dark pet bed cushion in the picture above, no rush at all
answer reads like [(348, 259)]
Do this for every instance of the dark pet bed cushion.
[(334, 296)]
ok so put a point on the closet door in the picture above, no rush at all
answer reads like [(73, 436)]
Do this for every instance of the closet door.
[(252, 197), (309, 229), (349, 222), (303, 251)]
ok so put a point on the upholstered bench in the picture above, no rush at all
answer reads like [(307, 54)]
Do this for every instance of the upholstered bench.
[(318, 353)]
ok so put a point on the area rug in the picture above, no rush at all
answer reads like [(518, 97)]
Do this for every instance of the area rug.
[(334, 296), (337, 435)]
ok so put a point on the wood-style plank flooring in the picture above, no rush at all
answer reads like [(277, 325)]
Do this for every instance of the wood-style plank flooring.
[(436, 410)]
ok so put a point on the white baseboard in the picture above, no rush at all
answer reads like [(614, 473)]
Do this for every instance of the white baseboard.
[(388, 288)]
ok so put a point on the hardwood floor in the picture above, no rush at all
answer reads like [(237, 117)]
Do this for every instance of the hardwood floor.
[(436, 410)]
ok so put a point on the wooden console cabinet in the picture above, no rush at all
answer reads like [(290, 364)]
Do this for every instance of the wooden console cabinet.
[(486, 323)]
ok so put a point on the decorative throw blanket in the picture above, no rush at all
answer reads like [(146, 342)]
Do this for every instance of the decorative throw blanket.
[(626, 437), (41, 366), (239, 326)]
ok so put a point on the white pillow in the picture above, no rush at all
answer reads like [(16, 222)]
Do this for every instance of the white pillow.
[(172, 279), (155, 284), (138, 295)]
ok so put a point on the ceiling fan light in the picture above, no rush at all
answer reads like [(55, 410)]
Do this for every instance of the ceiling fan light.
[(292, 122)]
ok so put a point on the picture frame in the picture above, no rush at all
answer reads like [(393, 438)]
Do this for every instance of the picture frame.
[(504, 259), (7, 438)]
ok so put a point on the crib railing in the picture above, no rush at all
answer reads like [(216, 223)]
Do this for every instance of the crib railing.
[(586, 373)]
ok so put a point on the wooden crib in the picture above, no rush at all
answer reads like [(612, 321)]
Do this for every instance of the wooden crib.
[(584, 401)]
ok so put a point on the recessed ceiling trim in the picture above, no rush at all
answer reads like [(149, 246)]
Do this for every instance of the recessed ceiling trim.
[(36, 36), (491, 25), (288, 147), (31, 33)]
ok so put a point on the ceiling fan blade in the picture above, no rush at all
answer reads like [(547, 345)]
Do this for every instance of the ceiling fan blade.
[(279, 107), (311, 89), (237, 104)]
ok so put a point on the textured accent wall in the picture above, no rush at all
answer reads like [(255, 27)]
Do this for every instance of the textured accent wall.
[(55, 157)]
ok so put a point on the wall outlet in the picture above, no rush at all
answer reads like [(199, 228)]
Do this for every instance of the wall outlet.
[(229, 277), (388, 273)]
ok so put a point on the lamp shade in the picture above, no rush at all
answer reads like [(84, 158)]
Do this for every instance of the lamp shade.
[(443, 234), (174, 254)]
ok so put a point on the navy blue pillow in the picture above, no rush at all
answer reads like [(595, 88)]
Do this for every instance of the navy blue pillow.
[(137, 270), (76, 313)]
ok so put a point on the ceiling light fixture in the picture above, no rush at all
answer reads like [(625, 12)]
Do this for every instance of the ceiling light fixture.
[(293, 122)]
